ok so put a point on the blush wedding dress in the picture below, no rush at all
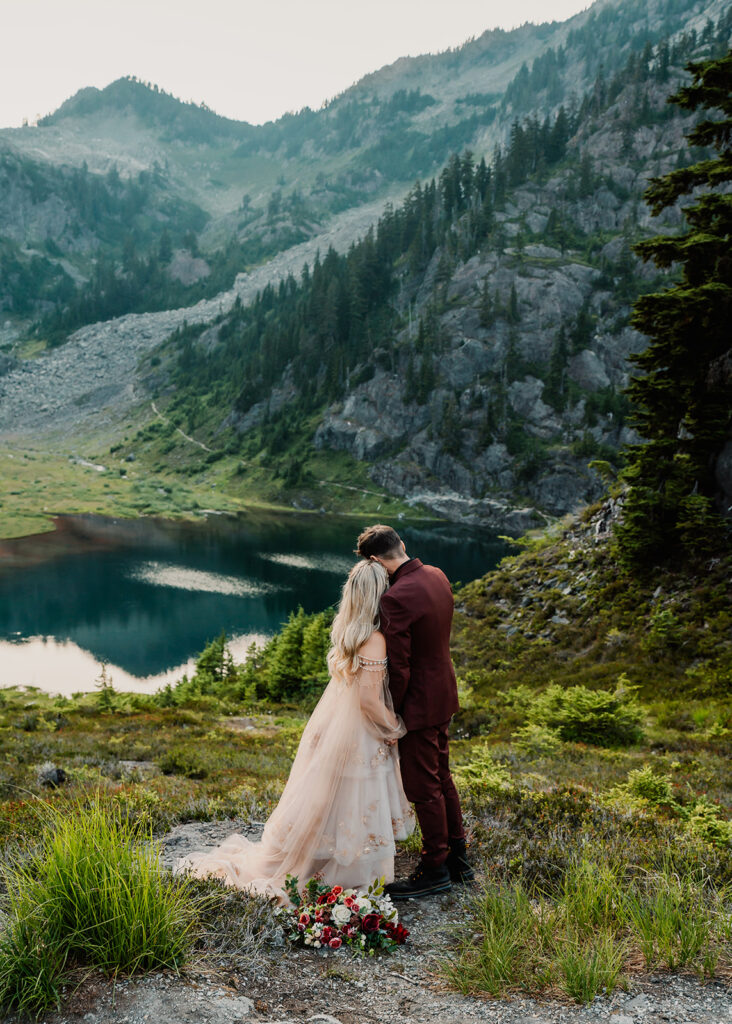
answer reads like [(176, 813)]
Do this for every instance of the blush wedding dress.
[(343, 805)]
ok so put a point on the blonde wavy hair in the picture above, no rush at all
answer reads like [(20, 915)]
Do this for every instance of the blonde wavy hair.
[(357, 617)]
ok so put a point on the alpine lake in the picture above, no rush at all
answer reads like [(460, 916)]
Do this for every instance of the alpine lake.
[(143, 597)]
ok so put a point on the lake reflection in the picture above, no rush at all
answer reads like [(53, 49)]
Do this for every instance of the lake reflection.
[(146, 596)]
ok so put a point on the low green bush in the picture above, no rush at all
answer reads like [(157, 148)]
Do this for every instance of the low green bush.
[(705, 822), (536, 740), (600, 717), (183, 761), (482, 775), (643, 783)]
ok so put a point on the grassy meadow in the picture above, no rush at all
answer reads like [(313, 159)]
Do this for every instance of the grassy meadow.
[(171, 477)]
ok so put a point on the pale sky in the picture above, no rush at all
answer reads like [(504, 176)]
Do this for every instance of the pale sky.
[(248, 59)]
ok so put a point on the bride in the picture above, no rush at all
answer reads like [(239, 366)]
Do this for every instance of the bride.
[(343, 805)]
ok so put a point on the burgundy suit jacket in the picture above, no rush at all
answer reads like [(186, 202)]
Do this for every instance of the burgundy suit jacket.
[(416, 617)]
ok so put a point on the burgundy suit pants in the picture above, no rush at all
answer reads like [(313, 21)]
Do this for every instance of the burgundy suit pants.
[(428, 784)]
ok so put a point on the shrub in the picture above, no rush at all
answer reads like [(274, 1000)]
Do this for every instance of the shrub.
[(536, 740), (644, 784), (482, 775), (664, 632), (590, 716), (705, 823), (182, 761)]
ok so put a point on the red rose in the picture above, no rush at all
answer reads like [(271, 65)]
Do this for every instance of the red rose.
[(371, 923), (337, 890), (397, 932), (304, 919), (332, 898), (335, 943), (326, 934)]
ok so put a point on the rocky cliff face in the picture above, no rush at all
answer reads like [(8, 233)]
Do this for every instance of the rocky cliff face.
[(525, 416)]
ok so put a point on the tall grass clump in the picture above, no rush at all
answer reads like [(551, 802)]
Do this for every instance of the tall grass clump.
[(506, 946), (678, 921), (583, 937), (93, 895), (589, 965)]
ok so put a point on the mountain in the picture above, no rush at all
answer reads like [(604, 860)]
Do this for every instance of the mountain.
[(470, 351), (257, 190), (473, 349)]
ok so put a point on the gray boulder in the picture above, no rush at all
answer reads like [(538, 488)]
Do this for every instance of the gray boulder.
[(50, 775), (525, 399), (586, 369)]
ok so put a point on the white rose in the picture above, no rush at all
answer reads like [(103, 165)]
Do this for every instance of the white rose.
[(364, 906), (341, 914)]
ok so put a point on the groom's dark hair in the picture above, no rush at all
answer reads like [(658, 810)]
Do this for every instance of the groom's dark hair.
[(379, 540)]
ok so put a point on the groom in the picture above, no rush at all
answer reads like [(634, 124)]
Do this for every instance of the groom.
[(416, 616)]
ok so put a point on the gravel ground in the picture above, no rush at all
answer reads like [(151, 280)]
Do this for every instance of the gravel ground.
[(286, 986)]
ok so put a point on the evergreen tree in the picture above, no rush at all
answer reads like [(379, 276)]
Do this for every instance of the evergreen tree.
[(586, 182), (486, 308), (682, 399), (451, 428), (285, 666), (410, 382), (582, 331), (165, 247), (315, 644), (426, 381), (554, 391), (513, 314)]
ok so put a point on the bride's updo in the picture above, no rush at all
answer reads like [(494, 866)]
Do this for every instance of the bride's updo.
[(357, 616)]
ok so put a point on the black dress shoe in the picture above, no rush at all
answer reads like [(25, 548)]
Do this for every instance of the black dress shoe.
[(424, 881), (457, 863)]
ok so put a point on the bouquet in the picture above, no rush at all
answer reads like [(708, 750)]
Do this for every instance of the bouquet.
[(328, 917)]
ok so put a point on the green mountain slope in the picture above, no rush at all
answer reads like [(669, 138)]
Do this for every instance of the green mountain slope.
[(473, 348)]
